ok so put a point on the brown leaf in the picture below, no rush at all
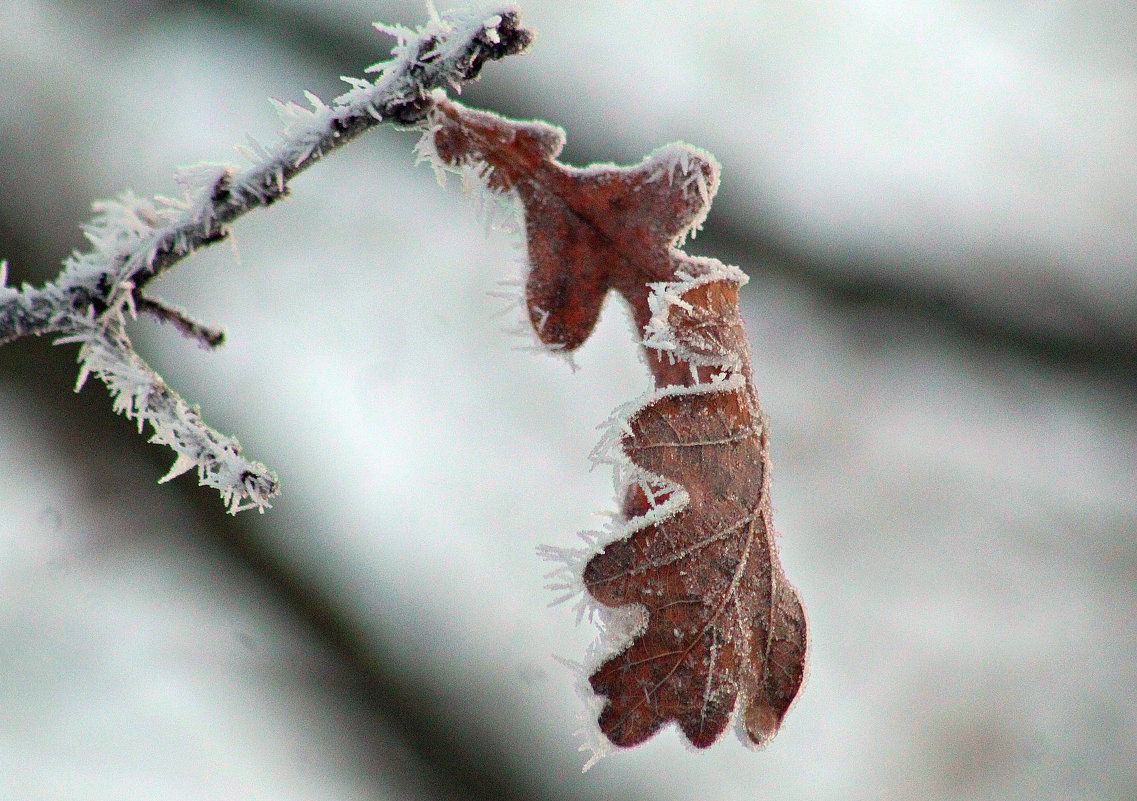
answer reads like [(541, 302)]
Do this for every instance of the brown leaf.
[(588, 230), (723, 624), (724, 629)]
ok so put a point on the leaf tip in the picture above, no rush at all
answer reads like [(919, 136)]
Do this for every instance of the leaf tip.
[(761, 722)]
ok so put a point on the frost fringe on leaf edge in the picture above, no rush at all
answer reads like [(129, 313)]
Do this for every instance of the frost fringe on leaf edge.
[(619, 626)]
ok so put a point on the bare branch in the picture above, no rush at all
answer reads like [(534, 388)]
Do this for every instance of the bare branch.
[(137, 239), (207, 336), (140, 394), (133, 239)]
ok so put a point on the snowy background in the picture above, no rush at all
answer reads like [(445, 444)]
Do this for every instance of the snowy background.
[(936, 204)]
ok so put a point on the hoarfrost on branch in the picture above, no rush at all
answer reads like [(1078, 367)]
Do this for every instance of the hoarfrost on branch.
[(133, 240)]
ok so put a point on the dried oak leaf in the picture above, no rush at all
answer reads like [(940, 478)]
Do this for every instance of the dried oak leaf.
[(723, 626), (587, 230), (723, 630)]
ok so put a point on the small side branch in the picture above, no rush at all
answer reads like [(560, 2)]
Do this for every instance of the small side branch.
[(206, 336), (140, 394)]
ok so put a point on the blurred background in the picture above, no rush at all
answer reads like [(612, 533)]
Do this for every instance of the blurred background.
[(937, 205)]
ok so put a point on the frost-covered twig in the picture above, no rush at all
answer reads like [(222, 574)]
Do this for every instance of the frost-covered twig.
[(141, 394), (133, 240)]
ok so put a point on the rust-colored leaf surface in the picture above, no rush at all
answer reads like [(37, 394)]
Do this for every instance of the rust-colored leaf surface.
[(724, 627), (586, 229), (725, 633)]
